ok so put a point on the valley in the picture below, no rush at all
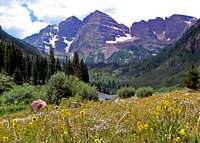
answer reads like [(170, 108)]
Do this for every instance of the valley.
[(99, 76)]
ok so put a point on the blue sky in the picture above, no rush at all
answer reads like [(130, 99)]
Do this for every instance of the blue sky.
[(22, 18)]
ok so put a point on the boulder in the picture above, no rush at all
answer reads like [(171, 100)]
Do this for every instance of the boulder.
[(38, 104)]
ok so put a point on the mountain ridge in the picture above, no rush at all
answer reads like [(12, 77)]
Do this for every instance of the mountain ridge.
[(25, 47), (101, 39)]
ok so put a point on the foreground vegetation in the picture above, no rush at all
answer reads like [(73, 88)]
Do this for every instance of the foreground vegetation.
[(167, 117), (15, 98)]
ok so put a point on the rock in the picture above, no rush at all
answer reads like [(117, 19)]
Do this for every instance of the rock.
[(38, 104), (75, 105)]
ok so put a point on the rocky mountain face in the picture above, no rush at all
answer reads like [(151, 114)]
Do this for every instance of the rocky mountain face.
[(58, 37), (168, 29), (170, 66), (100, 39), (97, 37)]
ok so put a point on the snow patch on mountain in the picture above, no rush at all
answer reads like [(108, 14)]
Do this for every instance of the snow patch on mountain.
[(161, 36), (68, 43), (168, 39), (118, 39), (56, 28), (189, 23), (52, 40)]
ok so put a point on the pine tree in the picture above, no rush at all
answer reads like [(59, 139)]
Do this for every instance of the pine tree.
[(1, 57), (18, 59), (27, 68), (75, 64), (68, 69), (51, 63), (10, 59), (192, 78), (35, 71), (83, 74), (58, 66), (43, 70), (18, 77)]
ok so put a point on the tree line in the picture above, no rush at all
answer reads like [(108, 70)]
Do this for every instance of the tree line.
[(37, 69)]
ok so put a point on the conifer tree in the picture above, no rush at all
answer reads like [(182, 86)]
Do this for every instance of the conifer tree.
[(58, 66), (75, 64), (27, 68), (10, 60), (35, 71), (1, 57), (51, 63), (68, 69), (18, 77), (42, 70), (192, 78), (84, 76)]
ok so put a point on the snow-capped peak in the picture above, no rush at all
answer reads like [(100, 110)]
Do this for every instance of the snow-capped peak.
[(121, 39)]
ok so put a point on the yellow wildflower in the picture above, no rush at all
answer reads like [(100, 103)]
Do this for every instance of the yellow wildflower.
[(34, 118), (182, 132), (145, 126), (82, 113), (142, 126), (14, 126), (5, 139), (178, 139), (68, 114), (30, 125), (97, 141), (65, 132), (14, 123), (46, 118)]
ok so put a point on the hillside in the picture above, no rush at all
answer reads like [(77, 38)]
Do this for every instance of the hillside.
[(169, 67), (26, 48), (164, 70)]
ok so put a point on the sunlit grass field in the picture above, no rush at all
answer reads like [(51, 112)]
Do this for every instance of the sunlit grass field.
[(162, 118)]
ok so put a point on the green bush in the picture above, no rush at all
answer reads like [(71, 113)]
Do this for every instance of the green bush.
[(126, 92), (87, 92), (9, 109), (6, 83), (144, 92), (62, 86), (23, 94)]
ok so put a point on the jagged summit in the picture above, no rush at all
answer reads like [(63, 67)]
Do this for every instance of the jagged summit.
[(99, 38)]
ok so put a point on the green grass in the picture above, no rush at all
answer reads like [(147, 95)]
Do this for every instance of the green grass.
[(167, 117)]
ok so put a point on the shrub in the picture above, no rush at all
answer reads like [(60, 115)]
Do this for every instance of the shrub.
[(6, 83), (18, 77), (87, 92), (126, 92), (23, 94), (62, 86), (144, 92), (192, 78)]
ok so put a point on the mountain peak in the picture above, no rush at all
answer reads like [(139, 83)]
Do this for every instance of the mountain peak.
[(72, 18), (98, 12)]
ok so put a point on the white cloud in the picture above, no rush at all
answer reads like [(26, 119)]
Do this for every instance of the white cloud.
[(15, 17), (124, 11)]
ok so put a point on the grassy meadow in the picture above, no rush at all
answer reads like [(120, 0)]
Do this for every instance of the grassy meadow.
[(169, 117)]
